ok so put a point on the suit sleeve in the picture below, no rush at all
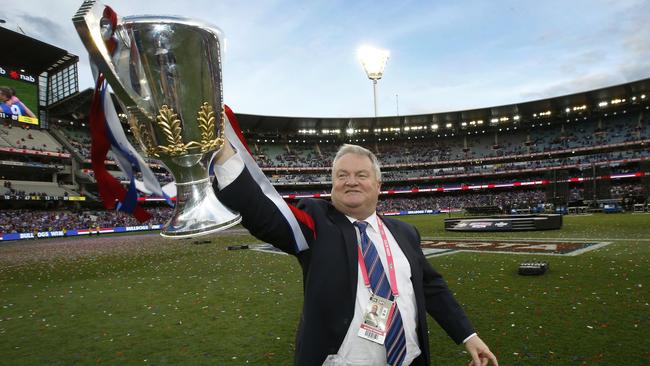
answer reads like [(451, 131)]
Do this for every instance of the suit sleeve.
[(440, 302), (261, 216)]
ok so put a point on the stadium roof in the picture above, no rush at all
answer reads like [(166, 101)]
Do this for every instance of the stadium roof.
[(31, 54), (526, 110), (77, 107)]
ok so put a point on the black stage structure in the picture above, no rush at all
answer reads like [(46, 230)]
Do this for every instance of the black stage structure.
[(505, 223)]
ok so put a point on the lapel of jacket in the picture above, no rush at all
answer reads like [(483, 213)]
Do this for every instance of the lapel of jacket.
[(350, 242), (401, 238)]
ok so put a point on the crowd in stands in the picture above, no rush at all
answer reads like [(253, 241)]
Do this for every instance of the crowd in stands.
[(399, 154), (626, 190), (504, 199), (618, 190), (27, 221), (163, 177), (19, 221), (290, 156), (80, 140), (82, 146), (583, 162), (471, 148), (584, 133)]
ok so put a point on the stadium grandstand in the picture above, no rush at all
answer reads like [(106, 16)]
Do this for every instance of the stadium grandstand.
[(573, 153)]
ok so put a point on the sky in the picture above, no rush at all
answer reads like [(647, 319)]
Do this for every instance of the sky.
[(299, 58)]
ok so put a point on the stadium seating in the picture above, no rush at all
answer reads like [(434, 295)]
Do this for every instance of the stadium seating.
[(429, 170), (28, 138), (33, 188)]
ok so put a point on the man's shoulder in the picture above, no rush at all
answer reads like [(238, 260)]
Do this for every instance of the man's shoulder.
[(400, 225), (395, 222), (314, 204)]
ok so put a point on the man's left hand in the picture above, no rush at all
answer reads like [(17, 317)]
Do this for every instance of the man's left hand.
[(480, 352)]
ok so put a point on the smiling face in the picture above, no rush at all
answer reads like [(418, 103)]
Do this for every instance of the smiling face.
[(355, 187)]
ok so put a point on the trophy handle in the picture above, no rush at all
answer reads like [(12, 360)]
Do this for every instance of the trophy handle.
[(91, 30), (87, 21)]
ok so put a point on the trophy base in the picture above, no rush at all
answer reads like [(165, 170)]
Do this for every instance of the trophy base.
[(198, 212)]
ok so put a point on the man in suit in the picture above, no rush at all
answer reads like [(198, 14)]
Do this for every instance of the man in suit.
[(353, 257)]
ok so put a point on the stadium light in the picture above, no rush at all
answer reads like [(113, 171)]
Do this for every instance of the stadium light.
[(373, 61)]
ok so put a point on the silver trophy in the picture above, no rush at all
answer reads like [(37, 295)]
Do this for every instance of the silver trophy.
[(166, 72)]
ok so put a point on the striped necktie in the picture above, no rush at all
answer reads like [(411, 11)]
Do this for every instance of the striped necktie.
[(395, 341)]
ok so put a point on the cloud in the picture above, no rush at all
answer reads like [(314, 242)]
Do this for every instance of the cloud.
[(41, 28), (569, 86), (288, 58), (637, 47)]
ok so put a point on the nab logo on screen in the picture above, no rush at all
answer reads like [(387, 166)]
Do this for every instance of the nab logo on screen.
[(27, 78), (18, 76)]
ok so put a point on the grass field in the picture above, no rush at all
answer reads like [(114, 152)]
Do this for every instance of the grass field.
[(142, 300)]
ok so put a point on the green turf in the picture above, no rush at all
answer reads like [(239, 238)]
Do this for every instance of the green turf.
[(178, 303)]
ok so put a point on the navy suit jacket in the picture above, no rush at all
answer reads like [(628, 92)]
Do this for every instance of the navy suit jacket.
[(330, 270)]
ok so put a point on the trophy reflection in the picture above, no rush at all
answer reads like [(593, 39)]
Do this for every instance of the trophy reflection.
[(166, 72)]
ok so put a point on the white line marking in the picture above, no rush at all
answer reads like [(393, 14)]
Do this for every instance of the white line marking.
[(569, 254), (482, 238)]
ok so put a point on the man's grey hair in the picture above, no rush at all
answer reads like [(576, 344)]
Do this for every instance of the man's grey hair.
[(358, 150)]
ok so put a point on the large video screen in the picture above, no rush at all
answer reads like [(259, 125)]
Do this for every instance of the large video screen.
[(18, 96)]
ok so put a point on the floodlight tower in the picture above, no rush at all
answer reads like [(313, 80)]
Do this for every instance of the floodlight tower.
[(373, 61)]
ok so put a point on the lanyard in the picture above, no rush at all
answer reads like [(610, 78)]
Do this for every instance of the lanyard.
[(389, 260)]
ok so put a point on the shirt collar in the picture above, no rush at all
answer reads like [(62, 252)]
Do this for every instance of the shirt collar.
[(371, 220)]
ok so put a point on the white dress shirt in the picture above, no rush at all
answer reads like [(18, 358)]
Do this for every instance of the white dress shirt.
[(358, 351)]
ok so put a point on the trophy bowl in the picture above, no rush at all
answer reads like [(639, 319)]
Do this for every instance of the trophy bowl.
[(166, 73)]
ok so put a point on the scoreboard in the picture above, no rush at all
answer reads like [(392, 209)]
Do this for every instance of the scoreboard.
[(18, 95)]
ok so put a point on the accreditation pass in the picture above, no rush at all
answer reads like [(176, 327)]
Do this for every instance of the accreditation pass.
[(375, 319)]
